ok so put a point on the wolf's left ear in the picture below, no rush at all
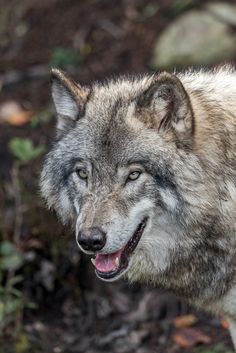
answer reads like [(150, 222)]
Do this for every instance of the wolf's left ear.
[(169, 104), (69, 99)]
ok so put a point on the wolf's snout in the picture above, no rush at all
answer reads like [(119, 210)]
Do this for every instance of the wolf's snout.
[(92, 239)]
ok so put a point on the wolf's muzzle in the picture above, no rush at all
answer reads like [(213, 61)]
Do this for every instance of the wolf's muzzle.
[(92, 239)]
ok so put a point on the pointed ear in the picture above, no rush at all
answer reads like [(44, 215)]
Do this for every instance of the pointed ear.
[(169, 105), (69, 99)]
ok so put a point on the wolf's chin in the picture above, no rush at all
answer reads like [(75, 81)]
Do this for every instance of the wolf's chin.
[(110, 267), (114, 278)]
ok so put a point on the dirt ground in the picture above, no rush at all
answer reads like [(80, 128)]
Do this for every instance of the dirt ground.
[(74, 311)]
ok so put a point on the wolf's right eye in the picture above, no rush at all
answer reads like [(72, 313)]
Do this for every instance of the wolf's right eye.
[(82, 174)]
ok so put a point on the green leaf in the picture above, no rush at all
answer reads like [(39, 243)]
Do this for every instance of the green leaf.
[(179, 6), (6, 248), (62, 57), (218, 348), (148, 11), (14, 280), (12, 262), (23, 149), (17, 293), (31, 305), (23, 344), (1, 311), (43, 117), (12, 305), (10, 258)]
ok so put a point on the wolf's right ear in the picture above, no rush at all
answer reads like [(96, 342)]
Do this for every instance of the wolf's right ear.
[(69, 99)]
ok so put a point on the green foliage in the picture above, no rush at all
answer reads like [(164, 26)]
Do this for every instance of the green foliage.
[(43, 117), (218, 348), (23, 150), (23, 344), (10, 259), (148, 11), (11, 299), (178, 6), (63, 58)]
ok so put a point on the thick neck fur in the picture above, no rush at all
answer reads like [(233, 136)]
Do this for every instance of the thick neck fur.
[(204, 272), (213, 96)]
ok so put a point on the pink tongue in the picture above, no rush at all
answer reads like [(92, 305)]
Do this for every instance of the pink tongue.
[(106, 263)]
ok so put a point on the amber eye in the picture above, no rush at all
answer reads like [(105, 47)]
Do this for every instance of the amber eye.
[(82, 174), (134, 175)]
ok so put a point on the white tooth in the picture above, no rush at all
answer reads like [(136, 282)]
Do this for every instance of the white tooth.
[(117, 261), (93, 261)]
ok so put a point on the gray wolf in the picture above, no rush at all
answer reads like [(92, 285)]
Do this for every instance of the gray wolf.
[(145, 169)]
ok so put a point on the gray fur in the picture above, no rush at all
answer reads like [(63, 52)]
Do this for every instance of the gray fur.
[(183, 140)]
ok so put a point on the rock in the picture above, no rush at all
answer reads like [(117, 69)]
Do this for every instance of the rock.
[(196, 38), (224, 11)]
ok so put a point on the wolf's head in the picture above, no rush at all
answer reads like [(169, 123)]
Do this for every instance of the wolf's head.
[(121, 169)]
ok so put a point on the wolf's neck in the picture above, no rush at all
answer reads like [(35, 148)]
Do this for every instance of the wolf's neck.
[(213, 120)]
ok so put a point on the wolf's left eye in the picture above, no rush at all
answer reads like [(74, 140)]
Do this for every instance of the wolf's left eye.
[(134, 175), (82, 174)]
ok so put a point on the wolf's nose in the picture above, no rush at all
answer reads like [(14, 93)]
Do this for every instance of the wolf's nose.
[(92, 239)]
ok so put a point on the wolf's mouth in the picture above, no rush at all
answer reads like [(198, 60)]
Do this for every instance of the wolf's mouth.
[(109, 266)]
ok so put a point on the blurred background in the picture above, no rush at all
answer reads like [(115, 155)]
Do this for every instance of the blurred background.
[(50, 300)]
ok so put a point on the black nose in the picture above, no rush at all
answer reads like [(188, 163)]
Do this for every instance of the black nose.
[(92, 239)]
